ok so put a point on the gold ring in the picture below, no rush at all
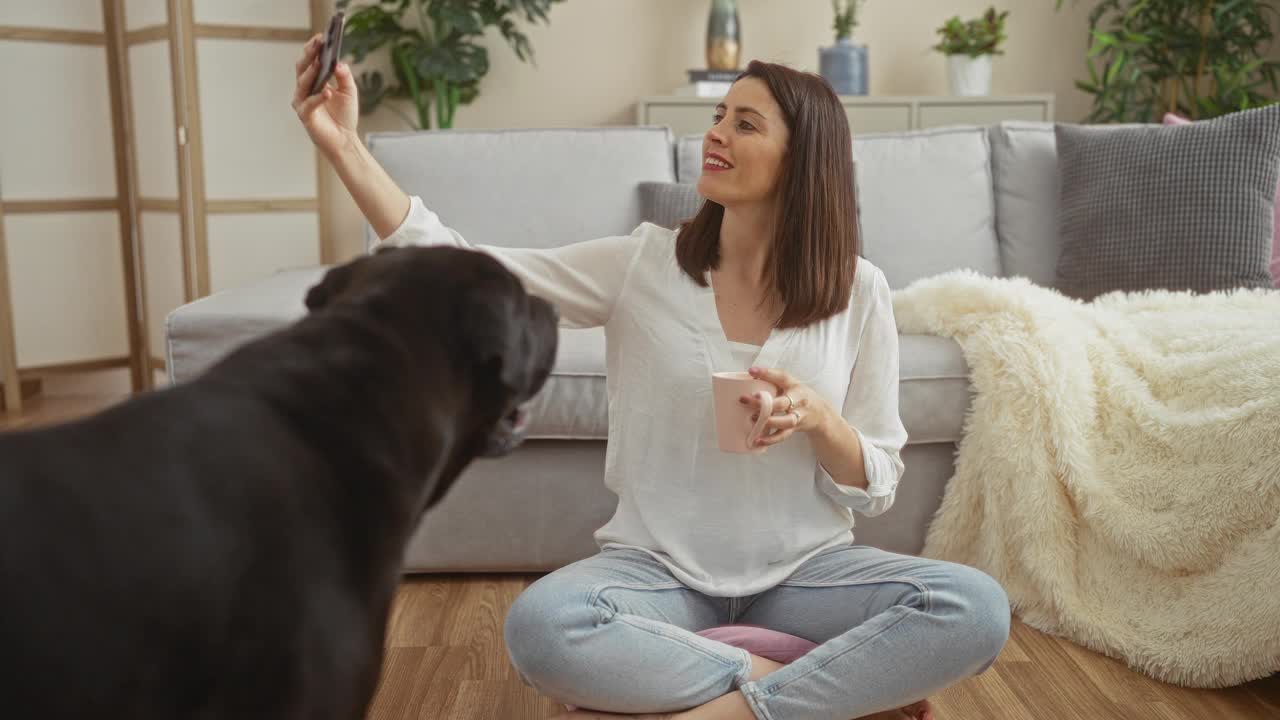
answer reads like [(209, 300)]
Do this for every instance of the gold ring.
[(791, 404)]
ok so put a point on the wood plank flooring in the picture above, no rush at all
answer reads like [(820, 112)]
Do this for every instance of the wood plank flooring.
[(445, 657)]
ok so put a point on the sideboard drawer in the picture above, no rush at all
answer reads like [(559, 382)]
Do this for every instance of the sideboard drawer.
[(940, 114)]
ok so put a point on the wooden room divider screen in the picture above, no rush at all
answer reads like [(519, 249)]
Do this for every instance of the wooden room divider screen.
[(148, 157)]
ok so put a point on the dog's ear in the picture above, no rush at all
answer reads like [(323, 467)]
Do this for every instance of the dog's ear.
[(316, 298), (330, 286), (495, 338)]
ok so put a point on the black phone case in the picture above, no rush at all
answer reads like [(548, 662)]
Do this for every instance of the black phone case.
[(330, 50)]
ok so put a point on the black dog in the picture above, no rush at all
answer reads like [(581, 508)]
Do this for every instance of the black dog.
[(229, 548)]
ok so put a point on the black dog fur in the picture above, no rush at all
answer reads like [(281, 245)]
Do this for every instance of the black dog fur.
[(229, 547)]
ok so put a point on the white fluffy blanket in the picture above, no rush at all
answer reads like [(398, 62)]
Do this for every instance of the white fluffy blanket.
[(1120, 467)]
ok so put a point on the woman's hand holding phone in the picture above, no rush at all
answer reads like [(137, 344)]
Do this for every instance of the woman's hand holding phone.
[(329, 116)]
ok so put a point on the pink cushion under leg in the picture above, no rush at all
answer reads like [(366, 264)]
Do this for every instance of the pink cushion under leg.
[(769, 644)]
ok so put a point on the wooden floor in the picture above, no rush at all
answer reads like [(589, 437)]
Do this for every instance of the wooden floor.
[(44, 410), (445, 657)]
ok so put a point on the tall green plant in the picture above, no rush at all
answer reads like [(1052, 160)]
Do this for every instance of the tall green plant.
[(1196, 58), (436, 53)]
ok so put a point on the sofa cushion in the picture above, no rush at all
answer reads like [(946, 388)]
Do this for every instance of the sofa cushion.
[(1024, 162), (1172, 119), (933, 394), (667, 204), (574, 403), (1187, 207), (689, 158), (933, 388), (925, 200), (202, 332), (528, 188)]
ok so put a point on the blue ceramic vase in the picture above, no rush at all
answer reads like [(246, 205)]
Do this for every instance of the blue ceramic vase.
[(844, 66)]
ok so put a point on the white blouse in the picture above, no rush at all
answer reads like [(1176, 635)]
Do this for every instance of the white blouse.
[(744, 355), (725, 525)]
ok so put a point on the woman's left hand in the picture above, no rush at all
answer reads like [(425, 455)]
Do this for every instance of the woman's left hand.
[(797, 408)]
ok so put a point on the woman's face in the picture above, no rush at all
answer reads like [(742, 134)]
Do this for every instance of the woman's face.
[(742, 153)]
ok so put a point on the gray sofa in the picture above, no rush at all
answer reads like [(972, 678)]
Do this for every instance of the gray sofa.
[(978, 197)]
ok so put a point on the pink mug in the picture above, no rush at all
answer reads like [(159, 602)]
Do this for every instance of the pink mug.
[(734, 429)]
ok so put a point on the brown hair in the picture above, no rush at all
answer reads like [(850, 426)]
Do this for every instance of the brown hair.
[(812, 260)]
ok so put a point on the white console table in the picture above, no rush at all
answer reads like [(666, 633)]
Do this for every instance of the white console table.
[(867, 114)]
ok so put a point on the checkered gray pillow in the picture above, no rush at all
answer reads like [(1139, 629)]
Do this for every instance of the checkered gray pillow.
[(1187, 207), (667, 204)]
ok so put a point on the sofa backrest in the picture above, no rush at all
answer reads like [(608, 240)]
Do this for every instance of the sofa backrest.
[(925, 199), (933, 200), (528, 188), (926, 202)]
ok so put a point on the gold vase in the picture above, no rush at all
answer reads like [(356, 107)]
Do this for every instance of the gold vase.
[(724, 36)]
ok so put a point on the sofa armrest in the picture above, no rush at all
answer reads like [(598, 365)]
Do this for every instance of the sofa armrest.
[(202, 332)]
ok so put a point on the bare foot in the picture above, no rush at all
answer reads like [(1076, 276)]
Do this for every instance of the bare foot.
[(915, 711)]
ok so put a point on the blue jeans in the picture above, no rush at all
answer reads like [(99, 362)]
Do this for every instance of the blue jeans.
[(616, 633)]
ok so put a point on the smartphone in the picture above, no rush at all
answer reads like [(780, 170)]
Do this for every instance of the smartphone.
[(330, 50)]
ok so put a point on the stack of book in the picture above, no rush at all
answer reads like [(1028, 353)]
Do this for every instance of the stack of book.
[(708, 83)]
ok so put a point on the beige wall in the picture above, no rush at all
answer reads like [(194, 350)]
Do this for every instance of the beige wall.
[(1275, 45), (598, 56)]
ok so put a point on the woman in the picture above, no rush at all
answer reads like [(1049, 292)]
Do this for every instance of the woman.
[(766, 275)]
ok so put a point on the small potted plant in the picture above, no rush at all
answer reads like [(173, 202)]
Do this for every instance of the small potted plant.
[(969, 45), (844, 64)]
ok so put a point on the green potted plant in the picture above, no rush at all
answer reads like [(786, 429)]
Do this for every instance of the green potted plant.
[(436, 52), (1195, 58), (969, 46), (844, 65)]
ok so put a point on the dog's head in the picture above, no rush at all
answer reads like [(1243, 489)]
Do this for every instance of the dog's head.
[(462, 304)]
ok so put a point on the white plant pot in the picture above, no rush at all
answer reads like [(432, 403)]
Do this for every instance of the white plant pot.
[(970, 76)]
